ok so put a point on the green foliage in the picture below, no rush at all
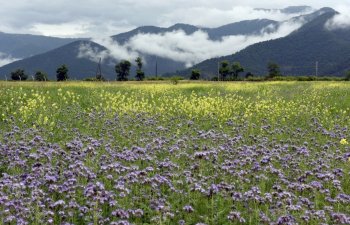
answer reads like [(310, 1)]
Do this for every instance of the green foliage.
[(274, 70), (95, 79), (248, 75), (140, 75), (295, 78), (236, 68), (224, 69), (195, 74), (347, 76), (19, 75), (175, 79), (123, 70), (62, 73), (40, 76), (255, 79), (99, 77), (230, 72), (154, 78)]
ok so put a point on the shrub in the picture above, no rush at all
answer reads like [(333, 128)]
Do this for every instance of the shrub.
[(175, 79), (347, 76), (154, 78), (40, 76)]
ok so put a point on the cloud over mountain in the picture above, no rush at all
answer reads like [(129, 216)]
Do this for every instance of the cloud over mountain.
[(341, 20), (6, 59), (186, 48)]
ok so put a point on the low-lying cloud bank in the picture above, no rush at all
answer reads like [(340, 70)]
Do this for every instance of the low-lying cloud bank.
[(178, 46), (6, 59), (341, 20)]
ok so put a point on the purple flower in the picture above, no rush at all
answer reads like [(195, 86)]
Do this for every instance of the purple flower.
[(235, 217), (288, 219), (188, 208), (339, 218)]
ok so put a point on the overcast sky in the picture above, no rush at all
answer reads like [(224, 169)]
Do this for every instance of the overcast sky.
[(87, 18)]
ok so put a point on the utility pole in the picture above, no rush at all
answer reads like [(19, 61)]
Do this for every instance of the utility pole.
[(316, 68)]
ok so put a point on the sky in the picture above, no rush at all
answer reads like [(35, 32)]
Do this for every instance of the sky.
[(94, 18)]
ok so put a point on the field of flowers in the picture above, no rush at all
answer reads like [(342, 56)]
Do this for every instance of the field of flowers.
[(191, 153)]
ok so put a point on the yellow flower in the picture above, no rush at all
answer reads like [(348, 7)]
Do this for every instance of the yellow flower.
[(344, 141)]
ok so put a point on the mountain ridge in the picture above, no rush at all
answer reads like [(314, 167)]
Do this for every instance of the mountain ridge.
[(164, 65), (26, 45), (296, 53)]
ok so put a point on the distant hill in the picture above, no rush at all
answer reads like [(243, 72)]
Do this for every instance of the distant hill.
[(246, 27), (81, 68), (124, 37), (297, 53), (48, 62), (26, 45)]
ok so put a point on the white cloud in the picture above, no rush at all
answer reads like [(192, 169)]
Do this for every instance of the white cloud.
[(113, 50), (70, 29), (189, 49), (340, 21), (213, 17), (6, 59), (89, 17)]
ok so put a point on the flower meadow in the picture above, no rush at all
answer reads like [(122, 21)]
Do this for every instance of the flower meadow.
[(191, 153)]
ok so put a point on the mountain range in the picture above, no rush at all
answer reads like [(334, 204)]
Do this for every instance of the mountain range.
[(310, 48), (26, 45), (296, 53), (80, 68)]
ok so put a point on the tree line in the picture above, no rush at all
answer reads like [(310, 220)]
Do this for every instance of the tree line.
[(226, 71), (61, 74), (122, 70)]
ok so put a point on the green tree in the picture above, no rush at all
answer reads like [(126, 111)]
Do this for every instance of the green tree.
[(140, 75), (347, 75), (62, 73), (19, 75), (123, 69), (249, 74), (40, 76), (236, 68), (274, 70), (224, 69), (195, 74), (99, 77)]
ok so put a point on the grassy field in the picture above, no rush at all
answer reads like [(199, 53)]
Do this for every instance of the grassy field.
[(159, 153)]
